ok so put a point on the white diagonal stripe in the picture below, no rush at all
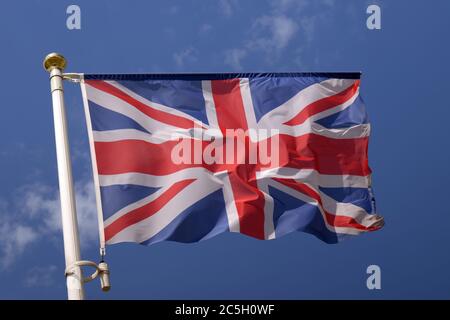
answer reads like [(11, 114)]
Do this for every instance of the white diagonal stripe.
[(307, 199), (152, 225), (288, 110), (156, 105)]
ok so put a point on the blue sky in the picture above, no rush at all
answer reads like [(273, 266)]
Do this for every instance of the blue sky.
[(405, 78)]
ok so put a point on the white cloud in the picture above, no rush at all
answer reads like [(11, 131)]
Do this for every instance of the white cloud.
[(269, 34), (273, 32), (14, 236), (297, 6), (86, 212), (187, 55), (174, 9), (233, 57), (308, 25), (227, 7), (285, 6), (36, 213), (40, 276), (42, 202), (205, 28), (14, 239)]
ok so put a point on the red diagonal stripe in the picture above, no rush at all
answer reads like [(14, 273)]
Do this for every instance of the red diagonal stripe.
[(333, 220), (156, 114), (324, 104), (145, 211)]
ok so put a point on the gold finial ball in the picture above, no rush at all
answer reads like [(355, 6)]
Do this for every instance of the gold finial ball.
[(54, 60)]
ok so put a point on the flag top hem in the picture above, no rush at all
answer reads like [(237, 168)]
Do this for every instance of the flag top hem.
[(220, 76)]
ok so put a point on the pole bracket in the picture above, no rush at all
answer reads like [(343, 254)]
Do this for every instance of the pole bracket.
[(101, 270), (72, 77)]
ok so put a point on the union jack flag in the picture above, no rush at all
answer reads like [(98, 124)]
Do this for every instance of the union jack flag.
[(320, 183)]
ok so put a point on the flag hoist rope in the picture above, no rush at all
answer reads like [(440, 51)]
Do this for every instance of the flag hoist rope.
[(55, 63)]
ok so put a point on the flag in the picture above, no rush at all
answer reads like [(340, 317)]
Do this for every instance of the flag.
[(185, 157)]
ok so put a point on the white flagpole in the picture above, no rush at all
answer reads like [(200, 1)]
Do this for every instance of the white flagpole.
[(55, 63)]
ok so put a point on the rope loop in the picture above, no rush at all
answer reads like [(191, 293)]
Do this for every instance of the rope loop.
[(83, 263)]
